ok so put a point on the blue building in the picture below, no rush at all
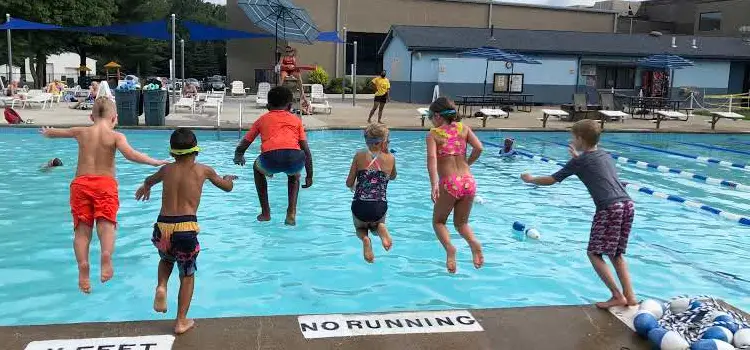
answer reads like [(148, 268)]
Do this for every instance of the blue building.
[(418, 57)]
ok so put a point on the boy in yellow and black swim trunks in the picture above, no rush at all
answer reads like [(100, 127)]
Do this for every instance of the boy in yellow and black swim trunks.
[(176, 230)]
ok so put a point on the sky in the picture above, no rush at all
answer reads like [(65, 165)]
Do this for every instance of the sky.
[(540, 2)]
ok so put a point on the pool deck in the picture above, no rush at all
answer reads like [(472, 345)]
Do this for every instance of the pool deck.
[(396, 115), (564, 327)]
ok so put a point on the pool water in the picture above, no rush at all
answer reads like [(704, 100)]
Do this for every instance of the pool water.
[(250, 268)]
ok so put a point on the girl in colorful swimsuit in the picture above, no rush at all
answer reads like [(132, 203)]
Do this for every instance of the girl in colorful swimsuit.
[(453, 186), (369, 174)]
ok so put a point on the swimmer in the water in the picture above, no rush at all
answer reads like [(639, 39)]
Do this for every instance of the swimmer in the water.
[(508, 150), (53, 163)]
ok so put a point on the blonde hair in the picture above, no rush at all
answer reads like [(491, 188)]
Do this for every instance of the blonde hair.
[(588, 130), (376, 133), (103, 108)]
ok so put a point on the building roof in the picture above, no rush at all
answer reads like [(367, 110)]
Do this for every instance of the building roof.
[(455, 39), (538, 6)]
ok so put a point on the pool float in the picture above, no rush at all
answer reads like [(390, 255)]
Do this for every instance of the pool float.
[(529, 232)]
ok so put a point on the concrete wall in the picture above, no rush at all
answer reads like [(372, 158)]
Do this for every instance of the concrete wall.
[(734, 13), (705, 74), (377, 16)]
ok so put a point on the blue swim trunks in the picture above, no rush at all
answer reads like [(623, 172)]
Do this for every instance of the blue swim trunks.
[(287, 161), (176, 238)]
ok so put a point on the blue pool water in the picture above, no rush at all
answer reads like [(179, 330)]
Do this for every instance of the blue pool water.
[(251, 268)]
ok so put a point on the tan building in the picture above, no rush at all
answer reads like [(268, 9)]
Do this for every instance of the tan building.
[(368, 22)]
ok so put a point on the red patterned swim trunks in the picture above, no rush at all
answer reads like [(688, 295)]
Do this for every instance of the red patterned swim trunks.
[(611, 228)]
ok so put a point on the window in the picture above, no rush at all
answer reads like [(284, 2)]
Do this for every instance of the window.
[(608, 77), (368, 60), (710, 21)]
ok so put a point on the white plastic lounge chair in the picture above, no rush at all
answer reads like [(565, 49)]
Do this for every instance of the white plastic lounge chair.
[(423, 114), (487, 113), (238, 88), (212, 102), (261, 99), (41, 99), (317, 94), (324, 106), (557, 113), (185, 102)]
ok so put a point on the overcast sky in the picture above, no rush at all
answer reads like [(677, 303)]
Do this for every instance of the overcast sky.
[(543, 2)]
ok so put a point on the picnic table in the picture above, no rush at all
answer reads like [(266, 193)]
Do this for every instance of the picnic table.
[(716, 116), (666, 115), (524, 101), (546, 113)]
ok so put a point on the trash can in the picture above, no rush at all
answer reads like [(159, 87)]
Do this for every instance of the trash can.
[(127, 102), (154, 107)]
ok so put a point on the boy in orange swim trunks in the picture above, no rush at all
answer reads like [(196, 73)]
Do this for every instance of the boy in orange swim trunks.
[(283, 148), (93, 192), (176, 230)]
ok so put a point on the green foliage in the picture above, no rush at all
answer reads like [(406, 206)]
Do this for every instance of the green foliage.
[(318, 76), (339, 85), (364, 86)]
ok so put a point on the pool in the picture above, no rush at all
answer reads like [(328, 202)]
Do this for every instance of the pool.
[(250, 268)]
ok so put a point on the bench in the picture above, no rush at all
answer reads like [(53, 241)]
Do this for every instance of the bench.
[(611, 115), (716, 116), (546, 113), (666, 115), (487, 113)]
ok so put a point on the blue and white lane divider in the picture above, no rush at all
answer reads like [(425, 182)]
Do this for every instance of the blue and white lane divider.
[(715, 148), (696, 158), (681, 173), (677, 199)]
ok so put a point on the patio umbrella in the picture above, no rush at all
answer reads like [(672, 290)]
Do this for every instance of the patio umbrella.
[(494, 54), (666, 62), (282, 18)]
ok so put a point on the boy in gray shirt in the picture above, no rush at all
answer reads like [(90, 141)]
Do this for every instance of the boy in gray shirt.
[(614, 208)]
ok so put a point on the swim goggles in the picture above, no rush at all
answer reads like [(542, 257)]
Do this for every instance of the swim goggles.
[(182, 152)]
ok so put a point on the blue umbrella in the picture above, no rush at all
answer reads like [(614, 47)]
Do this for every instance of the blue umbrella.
[(666, 62), (494, 54), (281, 18)]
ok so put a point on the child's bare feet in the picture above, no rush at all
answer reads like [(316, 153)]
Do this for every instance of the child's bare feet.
[(84, 284), (367, 249), (264, 217), (632, 301), (291, 219), (613, 301), (182, 326), (450, 260), (476, 253), (106, 269), (385, 237), (160, 300)]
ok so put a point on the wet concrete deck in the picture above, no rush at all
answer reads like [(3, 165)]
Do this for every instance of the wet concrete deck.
[(569, 327)]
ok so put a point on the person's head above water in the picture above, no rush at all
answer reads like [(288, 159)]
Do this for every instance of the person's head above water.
[(375, 135), (443, 111), (585, 134), (183, 144), (104, 110), (508, 145), (280, 98), (55, 162)]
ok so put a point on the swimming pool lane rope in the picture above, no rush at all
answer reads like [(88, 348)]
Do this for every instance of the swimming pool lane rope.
[(715, 148), (682, 173), (677, 199), (699, 159)]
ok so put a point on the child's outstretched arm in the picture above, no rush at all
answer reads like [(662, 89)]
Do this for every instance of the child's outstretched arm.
[(225, 183), (476, 145), (308, 163), (51, 133), (539, 180), (144, 192), (134, 156)]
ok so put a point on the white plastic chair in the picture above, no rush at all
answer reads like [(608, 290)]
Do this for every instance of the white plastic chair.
[(40, 99), (261, 99), (317, 94), (238, 88), (186, 102), (212, 102)]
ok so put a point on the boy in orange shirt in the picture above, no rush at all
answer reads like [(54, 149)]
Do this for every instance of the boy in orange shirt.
[(93, 192), (283, 148)]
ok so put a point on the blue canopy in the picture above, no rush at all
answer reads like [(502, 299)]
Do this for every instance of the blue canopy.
[(495, 54), (665, 61), (199, 32), (151, 30), (19, 24), (330, 37), (281, 18)]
